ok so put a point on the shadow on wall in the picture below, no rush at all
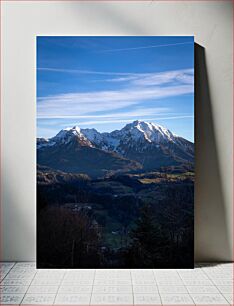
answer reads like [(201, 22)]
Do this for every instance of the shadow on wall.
[(18, 226), (103, 12), (211, 232)]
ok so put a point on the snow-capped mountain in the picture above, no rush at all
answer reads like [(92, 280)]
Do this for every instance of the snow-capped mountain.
[(70, 151), (144, 142), (150, 144), (135, 132), (67, 135)]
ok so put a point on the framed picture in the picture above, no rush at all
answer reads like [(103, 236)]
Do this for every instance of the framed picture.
[(115, 152)]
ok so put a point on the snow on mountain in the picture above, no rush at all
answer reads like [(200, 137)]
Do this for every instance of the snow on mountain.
[(140, 130), (145, 142), (42, 142), (65, 136), (149, 144), (138, 135), (104, 141), (137, 131), (96, 138)]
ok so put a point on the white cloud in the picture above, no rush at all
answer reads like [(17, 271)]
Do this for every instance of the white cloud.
[(80, 103), (138, 88), (178, 76), (143, 79), (134, 113), (183, 76), (147, 47), (80, 71)]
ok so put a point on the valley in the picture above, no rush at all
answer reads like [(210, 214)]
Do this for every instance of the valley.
[(116, 211)]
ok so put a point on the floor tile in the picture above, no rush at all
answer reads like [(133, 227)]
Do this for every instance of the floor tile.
[(51, 277), (111, 289), (75, 289), (145, 289), (209, 299), (209, 284), (19, 276), (112, 282), (202, 289), (174, 274), (149, 279), (7, 264), (168, 276), (169, 282), (143, 274), (147, 299), (11, 299), (221, 277), (45, 282), (78, 282), (16, 282), (4, 270), (39, 299), (112, 276), (143, 282), (82, 271), (172, 289), (113, 272), (51, 271), (13, 289), (229, 297), (222, 282), (23, 270), (195, 277), (225, 289), (197, 282), (43, 289), (176, 299), (78, 275), (3, 275), (72, 299), (112, 299), (72, 279)]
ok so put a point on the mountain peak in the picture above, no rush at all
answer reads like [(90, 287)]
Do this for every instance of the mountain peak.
[(68, 134), (144, 125), (75, 129), (149, 131), (145, 142)]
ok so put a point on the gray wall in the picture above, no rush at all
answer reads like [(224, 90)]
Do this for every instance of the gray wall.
[(211, 24)]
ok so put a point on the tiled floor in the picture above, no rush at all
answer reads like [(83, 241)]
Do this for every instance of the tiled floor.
[(207, 284)]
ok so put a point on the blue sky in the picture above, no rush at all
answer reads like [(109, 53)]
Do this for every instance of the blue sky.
[(107, 82)]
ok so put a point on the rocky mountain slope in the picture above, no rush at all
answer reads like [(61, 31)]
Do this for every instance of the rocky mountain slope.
[(138, 145)]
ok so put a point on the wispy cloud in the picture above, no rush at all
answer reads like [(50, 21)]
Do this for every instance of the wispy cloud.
[(137, 112), (146, 47), (80, 71), (79, 103), (183, 76), (143, 79), (138, 88)]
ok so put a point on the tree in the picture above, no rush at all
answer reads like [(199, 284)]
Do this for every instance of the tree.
[(67, 239), (147, 241)]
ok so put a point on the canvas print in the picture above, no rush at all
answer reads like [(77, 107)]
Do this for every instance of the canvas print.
[(115, 152)]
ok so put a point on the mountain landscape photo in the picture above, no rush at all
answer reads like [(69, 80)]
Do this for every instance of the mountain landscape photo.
[(138, 145), (115, 152)]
